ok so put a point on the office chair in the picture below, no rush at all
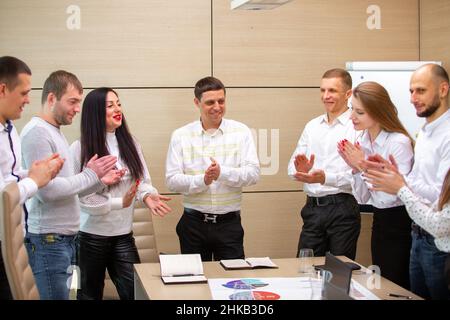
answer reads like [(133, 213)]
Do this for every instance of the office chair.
[(144, 235), (18, 270)]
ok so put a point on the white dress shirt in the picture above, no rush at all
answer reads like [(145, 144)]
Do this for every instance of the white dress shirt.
[(321, 139), (431, 158), (385, 144), (27, 187), (190, 149), (437, 223)]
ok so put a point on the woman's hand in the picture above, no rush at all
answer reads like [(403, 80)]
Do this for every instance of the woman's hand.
[(128, 198), (352, 154), (157, 204)]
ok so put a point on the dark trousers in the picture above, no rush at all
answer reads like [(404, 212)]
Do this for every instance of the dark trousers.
[(98, 253), (331, 223), (223, 239), (5, 292), (391, 243), (447, 270)]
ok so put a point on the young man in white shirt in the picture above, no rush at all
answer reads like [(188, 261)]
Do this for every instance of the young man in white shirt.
[(54, 213), (209, 161), (331, 218), (15, 86)]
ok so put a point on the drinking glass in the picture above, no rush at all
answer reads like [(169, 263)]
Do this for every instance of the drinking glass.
[(306, 258)]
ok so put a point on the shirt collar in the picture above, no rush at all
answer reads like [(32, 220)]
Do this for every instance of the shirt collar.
[(6, 127), (342, 119), (199, 128), (380, 140), (428, 128)]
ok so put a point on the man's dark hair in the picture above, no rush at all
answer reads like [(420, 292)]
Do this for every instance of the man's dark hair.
[(339, 73), (58, 82), (10, 68), (207, 84)]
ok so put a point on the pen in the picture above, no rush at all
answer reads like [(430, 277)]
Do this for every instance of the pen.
[(183, 275), (398, 296)]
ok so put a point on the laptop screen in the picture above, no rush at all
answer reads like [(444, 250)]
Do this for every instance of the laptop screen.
[(341, 272)]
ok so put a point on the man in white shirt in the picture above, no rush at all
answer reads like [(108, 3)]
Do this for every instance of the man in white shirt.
[(331, 218), (209, 161), (15, 86)]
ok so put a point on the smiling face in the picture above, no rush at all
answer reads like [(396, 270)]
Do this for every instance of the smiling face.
[(360, 118), (113, 112), (64, 110), (334, 95), (212, 108), (14, 101), (424, 93)]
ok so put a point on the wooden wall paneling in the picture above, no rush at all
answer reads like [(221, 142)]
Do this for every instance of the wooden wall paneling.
[(119, 43), (153, 114), (435, 31), (294, 44)]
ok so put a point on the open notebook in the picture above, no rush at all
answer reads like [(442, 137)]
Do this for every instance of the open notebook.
[(181, 268), (249, 263)]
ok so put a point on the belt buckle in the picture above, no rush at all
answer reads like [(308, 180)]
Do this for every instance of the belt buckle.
[(50, 238), (318, 202), (209, 218)]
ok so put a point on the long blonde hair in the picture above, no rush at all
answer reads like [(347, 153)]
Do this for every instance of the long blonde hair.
[(377, 103)]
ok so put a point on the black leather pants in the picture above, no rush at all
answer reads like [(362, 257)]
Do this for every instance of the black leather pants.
[(98, 253)]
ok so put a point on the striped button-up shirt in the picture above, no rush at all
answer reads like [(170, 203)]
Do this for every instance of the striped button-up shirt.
[(190, 150)]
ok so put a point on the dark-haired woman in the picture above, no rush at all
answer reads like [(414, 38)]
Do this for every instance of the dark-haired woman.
[(106, 239)]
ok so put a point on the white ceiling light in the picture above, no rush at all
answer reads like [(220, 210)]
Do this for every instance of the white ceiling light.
[(257, 4)]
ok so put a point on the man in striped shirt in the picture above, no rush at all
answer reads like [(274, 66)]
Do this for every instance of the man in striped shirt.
[(209, 161)]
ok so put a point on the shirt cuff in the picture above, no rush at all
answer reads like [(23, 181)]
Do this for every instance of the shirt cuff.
[(28, 188), (116, 203), (330, 179), (225, 173)]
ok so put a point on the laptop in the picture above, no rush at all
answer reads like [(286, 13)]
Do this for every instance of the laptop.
[(338, 287)]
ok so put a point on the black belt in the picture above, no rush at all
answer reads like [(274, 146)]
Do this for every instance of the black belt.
[(420, 231), (211, 217), (327, 200)]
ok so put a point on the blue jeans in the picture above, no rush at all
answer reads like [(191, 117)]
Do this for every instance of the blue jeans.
[(426, 269), (51, 257)]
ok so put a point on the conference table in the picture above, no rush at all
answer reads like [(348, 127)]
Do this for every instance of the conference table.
[(148, 283)]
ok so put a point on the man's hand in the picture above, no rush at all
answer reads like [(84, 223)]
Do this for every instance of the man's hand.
[(156, 203), (113, 176), (302, 164), (377, 162), (387, 180), (42, 171), (315, 176), (102, 165), (212, 173)]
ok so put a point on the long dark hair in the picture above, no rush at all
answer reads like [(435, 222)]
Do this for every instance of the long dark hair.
[(93, 133)]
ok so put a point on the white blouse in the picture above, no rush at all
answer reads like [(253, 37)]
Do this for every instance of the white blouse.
[(437, 223), (385, 144), (102, 213)]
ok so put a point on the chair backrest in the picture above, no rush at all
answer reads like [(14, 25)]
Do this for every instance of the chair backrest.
[(15, 257), (144, 235)]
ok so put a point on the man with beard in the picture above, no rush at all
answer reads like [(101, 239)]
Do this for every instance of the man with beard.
[(54, 213), (429, 89)]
